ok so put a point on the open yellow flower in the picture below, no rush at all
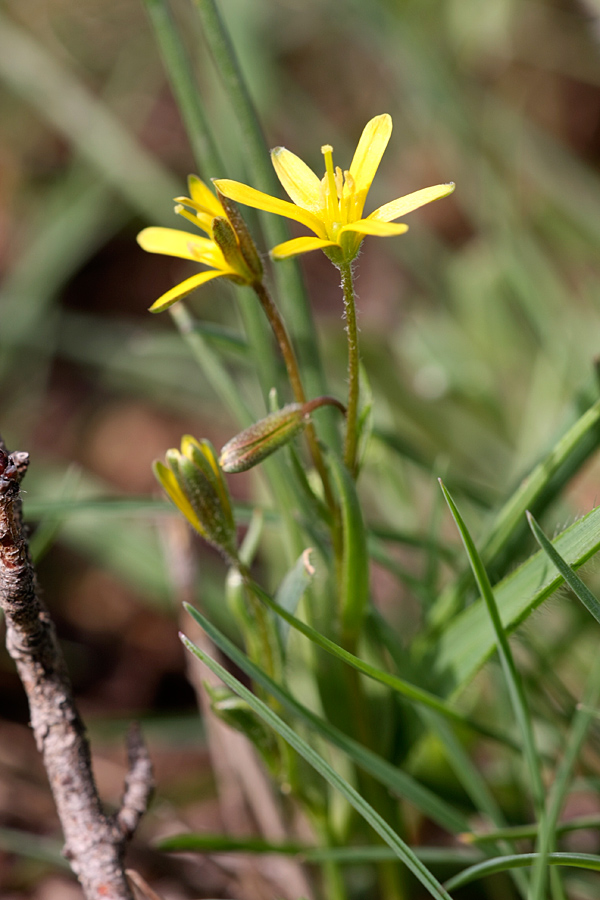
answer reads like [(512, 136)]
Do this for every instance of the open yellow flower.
[(222, 255), (332, 207)]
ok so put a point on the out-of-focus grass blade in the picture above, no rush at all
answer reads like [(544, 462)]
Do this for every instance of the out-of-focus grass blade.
[(354, 855), (29, 69), (579, 588), (468, 640), (33, 847), (49, 526), (511, 675), (503, 863), (526, 832), (389, 836), (398, 781)]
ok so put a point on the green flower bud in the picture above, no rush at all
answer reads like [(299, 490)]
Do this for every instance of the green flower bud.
[(252, 445), (194, 482), (225, 238), (247, 245)]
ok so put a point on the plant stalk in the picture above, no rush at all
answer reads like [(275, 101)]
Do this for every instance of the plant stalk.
[(351, 441)]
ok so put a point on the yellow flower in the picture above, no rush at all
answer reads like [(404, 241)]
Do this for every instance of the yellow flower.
[(220, 251), (332, 207)]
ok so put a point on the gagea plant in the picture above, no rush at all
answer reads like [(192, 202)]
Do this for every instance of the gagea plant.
[(353, 721)]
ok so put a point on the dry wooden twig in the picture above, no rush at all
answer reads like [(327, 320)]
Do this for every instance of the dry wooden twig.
[(94, 842)]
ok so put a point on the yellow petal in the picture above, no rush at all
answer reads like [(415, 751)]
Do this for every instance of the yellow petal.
[(372, 226), (299, 181), (170, 486), (202, 194), (251, 197), (186, 287), (404, 205), (367, 156), (172, 242), (299, 245)]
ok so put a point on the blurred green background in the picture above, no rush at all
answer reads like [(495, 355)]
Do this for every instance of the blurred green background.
[(479, 327)]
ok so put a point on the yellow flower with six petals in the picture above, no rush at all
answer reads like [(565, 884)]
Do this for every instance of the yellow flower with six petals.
[(223, 256), (332, 207)]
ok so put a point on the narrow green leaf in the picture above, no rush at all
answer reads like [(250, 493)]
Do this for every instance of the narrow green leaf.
[(502, 863), (402, 850), (398, 781), (468, 640), (511, 675), (526, 832), (405, 688), (352, 855), (579, 588), (291, 589)]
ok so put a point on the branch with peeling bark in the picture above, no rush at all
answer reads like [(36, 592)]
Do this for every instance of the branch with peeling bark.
[(94, 841)]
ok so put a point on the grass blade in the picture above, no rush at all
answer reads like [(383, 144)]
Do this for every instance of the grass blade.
[(402, 850), (393, 778), (578, 587), (511, 675), (521, 860)]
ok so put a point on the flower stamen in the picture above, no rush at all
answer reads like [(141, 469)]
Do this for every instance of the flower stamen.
[(333, 207)]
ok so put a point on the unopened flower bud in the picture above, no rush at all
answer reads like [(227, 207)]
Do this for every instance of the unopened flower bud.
[(253, 444), (194, 482), (245, 241), (225, 238)]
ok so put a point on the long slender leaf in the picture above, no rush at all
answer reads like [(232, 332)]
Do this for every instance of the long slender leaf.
[(468, 640), (503, 863), (511, 675), (391, 776), (389, 836), (405, 688), (579, 588), (355, 855)]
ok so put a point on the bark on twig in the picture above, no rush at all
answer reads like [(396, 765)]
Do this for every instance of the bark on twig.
[(94, 842)]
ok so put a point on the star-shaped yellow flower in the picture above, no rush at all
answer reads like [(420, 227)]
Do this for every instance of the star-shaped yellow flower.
[(206, 211), (332, 207)]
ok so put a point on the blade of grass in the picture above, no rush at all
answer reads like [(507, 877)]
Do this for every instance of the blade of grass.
[(503, 863), (526, 832), (402, 850), (581, 720), (468, 640), (354, 855), (511, 675), (185, 89), (579, 588), (30, 70), (406, 689), (527, 494), (395, 779)]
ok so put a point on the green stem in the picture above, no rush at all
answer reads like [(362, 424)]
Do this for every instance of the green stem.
[(351, 441), (291, 364)]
